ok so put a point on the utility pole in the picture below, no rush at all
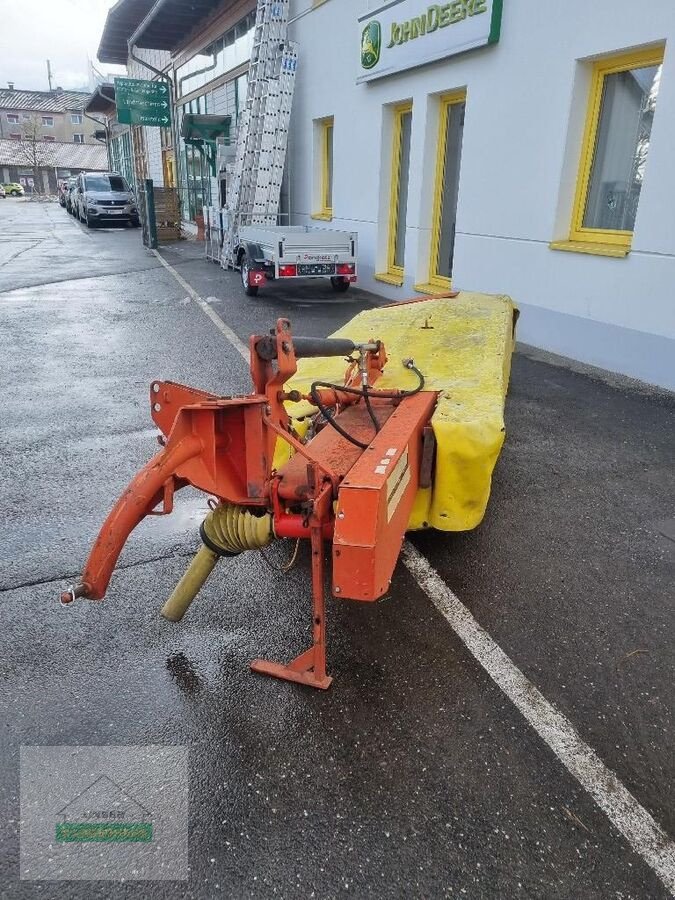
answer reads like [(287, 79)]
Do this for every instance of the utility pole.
[(49, 74)]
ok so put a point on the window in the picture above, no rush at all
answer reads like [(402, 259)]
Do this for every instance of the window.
[(13, 118), (105, 183), (326, 170), (616, 142), (49, 137), (195, 172), (78, 138), (15, 137), (446, 189), (398, 205), (75, 119), (169, 168), (227, 52), (48, 121)]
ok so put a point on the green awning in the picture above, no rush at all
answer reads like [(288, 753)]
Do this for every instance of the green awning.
[(205, 128)]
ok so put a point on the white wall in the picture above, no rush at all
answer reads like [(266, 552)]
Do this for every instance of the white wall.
[(526, 103)]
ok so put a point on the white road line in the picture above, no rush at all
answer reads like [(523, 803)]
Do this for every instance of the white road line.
[(631, 819), (641, 831), (238, 345)]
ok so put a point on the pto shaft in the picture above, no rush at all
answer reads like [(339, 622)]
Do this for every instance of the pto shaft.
[(190, 584)]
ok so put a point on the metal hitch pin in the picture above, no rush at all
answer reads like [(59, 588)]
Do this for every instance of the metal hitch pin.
[(73, 592)]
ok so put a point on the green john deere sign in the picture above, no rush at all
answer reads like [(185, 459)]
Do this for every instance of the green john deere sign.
[(404, 34), (141, 102), (371, 44)]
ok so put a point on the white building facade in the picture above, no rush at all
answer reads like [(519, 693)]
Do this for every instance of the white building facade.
[(521, 147)]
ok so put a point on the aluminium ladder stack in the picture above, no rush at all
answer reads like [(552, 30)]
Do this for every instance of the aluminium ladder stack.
[(254, 183)]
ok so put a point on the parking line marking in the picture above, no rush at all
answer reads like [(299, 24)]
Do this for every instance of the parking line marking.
[(631, 819), (227, 332), (627, 815)]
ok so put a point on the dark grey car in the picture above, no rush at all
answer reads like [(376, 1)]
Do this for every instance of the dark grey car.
[(104, 197)]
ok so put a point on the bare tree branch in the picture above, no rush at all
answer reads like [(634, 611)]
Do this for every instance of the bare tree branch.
[(33, 151)]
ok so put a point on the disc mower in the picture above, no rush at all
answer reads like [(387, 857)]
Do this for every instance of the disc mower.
[(349, 462)]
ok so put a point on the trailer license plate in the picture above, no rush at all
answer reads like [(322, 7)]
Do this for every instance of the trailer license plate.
[(316, 269)]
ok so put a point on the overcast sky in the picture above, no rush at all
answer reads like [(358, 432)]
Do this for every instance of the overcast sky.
[(66, 32)]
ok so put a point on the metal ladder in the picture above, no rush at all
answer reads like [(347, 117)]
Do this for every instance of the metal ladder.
[(254, 181)]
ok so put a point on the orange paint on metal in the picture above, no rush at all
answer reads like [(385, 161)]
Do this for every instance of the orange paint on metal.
[(225, 447), (310, 667), (335, 452), (374, 502)]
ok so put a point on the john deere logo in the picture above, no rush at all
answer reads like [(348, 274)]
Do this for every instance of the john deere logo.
[(371, 43)]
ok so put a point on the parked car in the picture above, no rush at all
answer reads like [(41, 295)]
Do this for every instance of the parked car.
[(71, 189), (13, 189), (104, 197), (2, 192)]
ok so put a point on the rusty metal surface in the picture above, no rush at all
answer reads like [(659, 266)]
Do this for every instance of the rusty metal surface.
[(428, 456), (336, 452)]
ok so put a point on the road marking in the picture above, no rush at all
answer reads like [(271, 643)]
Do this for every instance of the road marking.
[(227, 332), (639, 828), (631, 819)]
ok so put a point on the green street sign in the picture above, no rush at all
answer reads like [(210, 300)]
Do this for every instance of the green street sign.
[(141, 102)]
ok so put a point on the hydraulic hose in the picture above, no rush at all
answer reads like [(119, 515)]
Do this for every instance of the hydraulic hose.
[(369, 407), (366, 393)]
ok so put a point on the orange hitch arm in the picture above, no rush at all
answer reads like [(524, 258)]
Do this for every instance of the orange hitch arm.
[(155, 481)]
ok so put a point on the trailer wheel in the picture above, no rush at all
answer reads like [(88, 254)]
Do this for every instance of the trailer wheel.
[(340, 285), (249, 289)]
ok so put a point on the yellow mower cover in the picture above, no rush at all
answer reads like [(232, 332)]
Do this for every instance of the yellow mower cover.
[(462, 344)]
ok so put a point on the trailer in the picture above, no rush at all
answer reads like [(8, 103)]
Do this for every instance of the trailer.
[(267, 252), (250, 178)]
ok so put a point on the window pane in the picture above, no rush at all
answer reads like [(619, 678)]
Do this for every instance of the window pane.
[(105, 183), (453, 156), (624, 130), (328, 199), (403, 170)]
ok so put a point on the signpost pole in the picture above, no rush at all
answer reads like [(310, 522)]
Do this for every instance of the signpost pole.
[(150, 213)]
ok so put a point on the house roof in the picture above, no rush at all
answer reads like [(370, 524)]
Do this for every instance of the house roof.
[(58, 153), (122, 20), (102, 100), (42, 101), (166, 24)]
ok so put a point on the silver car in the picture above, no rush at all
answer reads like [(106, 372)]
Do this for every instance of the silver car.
[(104, 197)]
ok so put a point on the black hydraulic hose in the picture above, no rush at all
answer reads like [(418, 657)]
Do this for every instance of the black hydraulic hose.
[(369, 407), (366, 394), (328, 416)]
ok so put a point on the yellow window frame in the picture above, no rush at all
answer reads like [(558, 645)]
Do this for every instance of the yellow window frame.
[(395, 272), (601, 69), (325, 141), (447, 101)]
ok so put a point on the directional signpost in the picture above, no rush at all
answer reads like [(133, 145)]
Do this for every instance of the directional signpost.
[(141, 102)]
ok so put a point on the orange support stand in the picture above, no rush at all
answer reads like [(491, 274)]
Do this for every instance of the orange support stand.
[(310, 667)]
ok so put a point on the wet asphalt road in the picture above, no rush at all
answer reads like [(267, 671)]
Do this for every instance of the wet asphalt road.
[(414, 775)]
